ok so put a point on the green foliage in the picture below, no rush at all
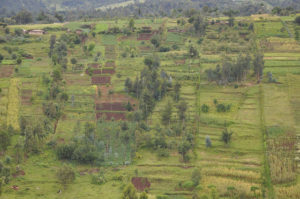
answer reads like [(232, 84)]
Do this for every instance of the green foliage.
[(129, 192), (5, 138), (297, 20), (166, 114), (223, 108), (143, 195), (65, 175), (226, 136), (196, 176), (205, 108), (181, 110)]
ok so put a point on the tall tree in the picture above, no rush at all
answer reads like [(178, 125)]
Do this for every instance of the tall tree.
[(258, 64)]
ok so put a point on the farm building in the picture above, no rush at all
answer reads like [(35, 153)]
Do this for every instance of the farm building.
[(36, 32)]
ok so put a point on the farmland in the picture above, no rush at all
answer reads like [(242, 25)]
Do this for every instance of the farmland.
[(88, 93)]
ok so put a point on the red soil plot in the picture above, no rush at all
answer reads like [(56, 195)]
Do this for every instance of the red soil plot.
[(104, 71), (26, 97), (117, 106), (110, 64), (6, 71), (140, 183), (94, 65), (108, 71), (101, 80), (145, 36), (96, 72), (180, 62), (110, 115)]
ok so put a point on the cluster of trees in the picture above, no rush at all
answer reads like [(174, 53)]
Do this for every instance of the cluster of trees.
[(236, 71), (150, 87)]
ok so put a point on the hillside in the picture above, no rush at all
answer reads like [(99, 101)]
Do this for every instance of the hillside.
[(157, 108), (64, 5)]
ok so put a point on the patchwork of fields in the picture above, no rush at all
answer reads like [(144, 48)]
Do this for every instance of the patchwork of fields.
[(261, 161)]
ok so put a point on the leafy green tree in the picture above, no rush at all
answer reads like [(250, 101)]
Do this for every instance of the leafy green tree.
[(205, 108), (143, 195), (181, 110), (155, 41), (23, 17), (74, 61), (226, 136), (166, 114), (129, 192), (258, 64), (183, 149), (196, 176), (4, 138), (131, 24), (297, 20), (177, 87), (1, 58)]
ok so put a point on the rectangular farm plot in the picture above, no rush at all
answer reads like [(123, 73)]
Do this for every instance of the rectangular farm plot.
[(270, 29), (108, 40), (101, 80), (6, 71), (111, 115), (116, 106)]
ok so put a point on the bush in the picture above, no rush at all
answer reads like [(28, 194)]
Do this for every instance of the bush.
[(65, 152), (223, 108), (205, 108), (163, 153), (188, 184), (164, 49), (65, 175), (99, 179), (208, 142), (297, 20)]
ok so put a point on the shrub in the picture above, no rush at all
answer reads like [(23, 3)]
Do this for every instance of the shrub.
[(226, 136), (65, 151), (297, 20), (188, 184), (99, 179), (208, 142), (205, 108), (164, 49), (65, 175), (196, 176)]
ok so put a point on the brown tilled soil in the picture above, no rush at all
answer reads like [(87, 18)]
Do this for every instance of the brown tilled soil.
[(141, 183), (101, 80), (6, 71)]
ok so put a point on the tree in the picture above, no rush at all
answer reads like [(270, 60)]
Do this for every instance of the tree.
[(1, 58), (183, 149), (155, 41), (23, 17), (143, 195), (52, 43), (129, 192), (131, 24), (166, 113), (177, 87), (74, 61), (181, 110), (208, 142), (258, 64), (19, 60), (91, 47), (205, 108), (65, 175), (297, 20), (196, 176), (4, 138), (226, 136), (193, 52)]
